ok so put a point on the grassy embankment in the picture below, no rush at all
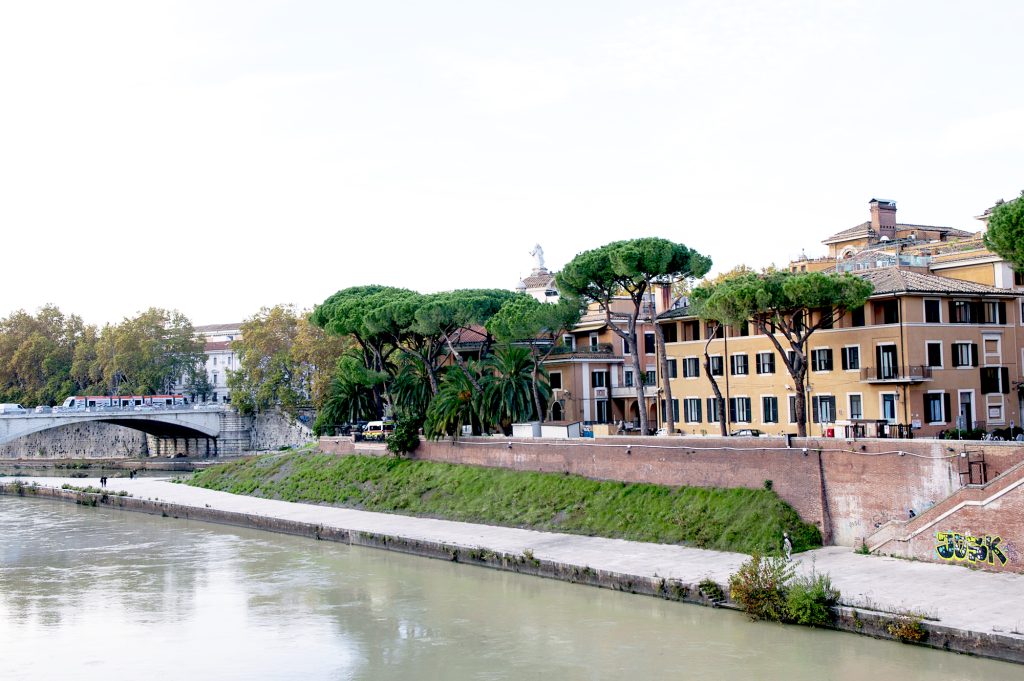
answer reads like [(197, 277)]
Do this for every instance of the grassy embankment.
[(743, 520)]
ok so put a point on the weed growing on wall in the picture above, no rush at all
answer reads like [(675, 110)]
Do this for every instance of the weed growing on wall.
[(760, 587), (907, 629)]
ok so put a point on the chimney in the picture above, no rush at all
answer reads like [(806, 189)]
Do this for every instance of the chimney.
[(883, 218)]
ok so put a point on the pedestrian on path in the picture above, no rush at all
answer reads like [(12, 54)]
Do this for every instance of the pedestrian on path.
[(103, 481), (787, 546)]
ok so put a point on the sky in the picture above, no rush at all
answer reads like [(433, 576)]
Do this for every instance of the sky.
[(217, 157)]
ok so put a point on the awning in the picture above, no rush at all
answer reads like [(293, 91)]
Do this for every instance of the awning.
[(589, 327)]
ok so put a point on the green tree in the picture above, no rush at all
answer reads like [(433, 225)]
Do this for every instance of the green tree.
[(197, 383), (456, 404), (146, 354), (628, 268), (1005, 233), (283, 361), (350, 397), (524, 319), (509, 385), (36, 355), (788, 308)]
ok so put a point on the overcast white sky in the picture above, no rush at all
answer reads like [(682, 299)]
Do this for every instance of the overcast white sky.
[(215, 157)]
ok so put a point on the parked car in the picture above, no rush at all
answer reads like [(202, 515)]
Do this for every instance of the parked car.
[(43, 409), (746, 432), (12, 409)]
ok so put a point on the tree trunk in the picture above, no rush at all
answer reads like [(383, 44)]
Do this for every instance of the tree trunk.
[(462, 365), (714, 384), (659, 336), (536, 394), (638, 381)]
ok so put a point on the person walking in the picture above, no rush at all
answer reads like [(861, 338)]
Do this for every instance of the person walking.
[(787, 546)]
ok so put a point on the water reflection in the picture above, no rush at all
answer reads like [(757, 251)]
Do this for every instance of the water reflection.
[(114, 592)]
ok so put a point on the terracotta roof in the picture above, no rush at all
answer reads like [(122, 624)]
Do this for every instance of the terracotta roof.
[(676, 313), (864, 229), (540, 279), (892, 280), (217, 345)]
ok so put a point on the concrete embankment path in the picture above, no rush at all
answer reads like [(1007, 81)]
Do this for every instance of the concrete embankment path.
[(949, 596)]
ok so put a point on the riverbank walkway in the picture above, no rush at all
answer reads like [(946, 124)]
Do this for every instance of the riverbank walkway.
[(957, 597)]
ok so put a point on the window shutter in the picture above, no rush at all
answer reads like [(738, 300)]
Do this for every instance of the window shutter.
[(952, 311), (845, 358), (757, 361), (927, 413), (700, 418), (988, 380), (1001, 306), (978, 314), (946, 410), (732, 410), (1004, 380), (814, 410), (771, 362), (974, 354), (828, 359), (878, 360)]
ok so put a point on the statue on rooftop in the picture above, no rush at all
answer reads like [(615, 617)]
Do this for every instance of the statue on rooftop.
[(538, 253)]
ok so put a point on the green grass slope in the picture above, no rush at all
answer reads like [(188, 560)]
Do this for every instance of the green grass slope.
[(744, 520)]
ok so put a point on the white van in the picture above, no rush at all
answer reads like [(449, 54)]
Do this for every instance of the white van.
[(12, 409)]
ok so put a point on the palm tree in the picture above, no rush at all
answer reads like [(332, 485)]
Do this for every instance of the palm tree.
[(509, 384), (456, 404), (411, 389)]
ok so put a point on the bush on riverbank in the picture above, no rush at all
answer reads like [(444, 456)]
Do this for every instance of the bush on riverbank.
[(745, 520), (766, 588)]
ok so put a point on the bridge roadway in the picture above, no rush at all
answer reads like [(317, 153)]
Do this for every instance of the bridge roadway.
[(186, 422)]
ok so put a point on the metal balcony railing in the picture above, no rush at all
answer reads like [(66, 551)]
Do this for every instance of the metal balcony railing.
[(599, 349), (896, 374)]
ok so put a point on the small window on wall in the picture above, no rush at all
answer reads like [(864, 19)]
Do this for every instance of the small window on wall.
[(671, 332), (555, 380), (821, 359), (673, 370), (851, 357), (599, 379), (935, 354), (770, 409), (857, 317), (792, 408), (650, 377), (717, 366), (856, 407), (1018, 278), (932, 312), (649, 343), (628, 378), (691, 367)]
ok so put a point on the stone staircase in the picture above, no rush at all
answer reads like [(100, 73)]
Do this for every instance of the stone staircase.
[(994, 506)]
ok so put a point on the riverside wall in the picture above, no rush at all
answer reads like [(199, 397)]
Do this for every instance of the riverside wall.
[(847, 488)]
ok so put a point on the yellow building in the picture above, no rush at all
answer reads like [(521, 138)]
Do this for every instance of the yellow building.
[(940, 343)]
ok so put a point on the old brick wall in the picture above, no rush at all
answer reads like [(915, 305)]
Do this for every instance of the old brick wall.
[(847, 488), (78, 441)]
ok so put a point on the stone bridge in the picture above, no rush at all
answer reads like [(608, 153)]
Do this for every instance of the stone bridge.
[(208, 431)]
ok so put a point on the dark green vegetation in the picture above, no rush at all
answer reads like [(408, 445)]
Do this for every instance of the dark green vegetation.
[(1005, 232), (726, 519), (766, 589)]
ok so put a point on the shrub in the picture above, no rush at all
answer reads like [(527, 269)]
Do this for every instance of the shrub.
[(709, 589), (760, 587), (907, 629), (405, 438), (810, 600)]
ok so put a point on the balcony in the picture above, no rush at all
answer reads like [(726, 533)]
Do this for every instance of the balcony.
[(895, 374), (600, 351), (630, 391)]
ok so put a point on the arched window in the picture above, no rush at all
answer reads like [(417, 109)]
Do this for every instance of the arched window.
[(556, 412)]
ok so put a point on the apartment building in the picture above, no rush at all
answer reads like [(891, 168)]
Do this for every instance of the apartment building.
[(939, 344), (220, 359), (591, 371)]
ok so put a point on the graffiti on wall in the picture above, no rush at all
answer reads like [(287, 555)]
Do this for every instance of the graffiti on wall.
[(981, 549)]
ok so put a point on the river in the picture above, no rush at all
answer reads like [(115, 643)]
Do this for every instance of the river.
[(86, 592)]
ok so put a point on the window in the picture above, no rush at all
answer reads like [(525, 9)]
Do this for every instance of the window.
[(593, 341), (766, 362), (821, 359), (675, 410), (965, 354), (963, 312), (995, 412), (713, 415), (717, 368), (599, 379), (214, 358), (691, 410), (889, 407), (649, 343), (995, 313), (650, 377), (828, 317), (673, 369), (934, 352), (691, 331), (691, 367), (569, 341), (995, 380), (555, 380), (671, 332), (1018, 278), (792, 408), (851, 357), (739, 409), (628, 378), (932, 312), (936, 407), (856, 407), (602, 411), (887, 312), (739, 365), (857, 317), (769, 409), (823, 409)]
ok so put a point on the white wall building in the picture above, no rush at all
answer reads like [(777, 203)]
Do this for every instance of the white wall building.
[(220, 359)]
